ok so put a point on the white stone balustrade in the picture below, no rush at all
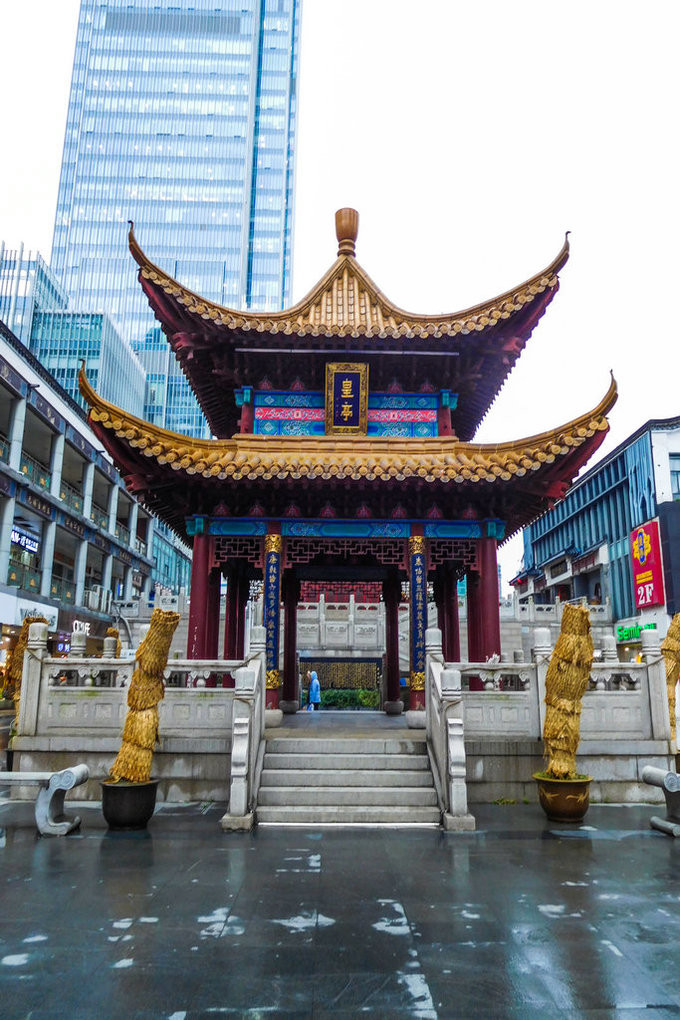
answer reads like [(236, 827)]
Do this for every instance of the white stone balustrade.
[(76, 704)]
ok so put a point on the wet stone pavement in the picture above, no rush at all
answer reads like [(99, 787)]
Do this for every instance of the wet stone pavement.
[(520, 919)]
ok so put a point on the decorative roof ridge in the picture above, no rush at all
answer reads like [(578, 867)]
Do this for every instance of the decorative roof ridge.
[(441, 458), (357, 306)]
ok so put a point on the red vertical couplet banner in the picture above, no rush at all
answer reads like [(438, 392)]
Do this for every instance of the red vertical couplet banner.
[(647, 566)]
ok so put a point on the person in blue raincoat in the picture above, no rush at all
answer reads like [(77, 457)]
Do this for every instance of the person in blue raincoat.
[(314, 697)]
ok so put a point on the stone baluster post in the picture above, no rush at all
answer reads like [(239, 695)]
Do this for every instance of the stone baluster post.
[(29, 706), (78, 645), (656, 683), (109, 647), (541, 652)]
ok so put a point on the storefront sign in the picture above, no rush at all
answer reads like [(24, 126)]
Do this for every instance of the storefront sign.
[(11, 377), (633, 633), (81, 627), (28, 542), (24, 609), (346, 398), (647, 566), (36, 503), (74, 526)]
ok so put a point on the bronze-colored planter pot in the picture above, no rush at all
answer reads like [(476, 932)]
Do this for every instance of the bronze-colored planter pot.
[(128, 805), (564, 800)]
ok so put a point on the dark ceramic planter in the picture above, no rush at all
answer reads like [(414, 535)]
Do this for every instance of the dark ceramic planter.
[(128, 805), (564, 800)]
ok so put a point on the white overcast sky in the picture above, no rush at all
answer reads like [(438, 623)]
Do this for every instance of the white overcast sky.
[(470, 136)]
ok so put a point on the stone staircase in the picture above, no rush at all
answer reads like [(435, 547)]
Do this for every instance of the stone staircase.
[(347, 780)]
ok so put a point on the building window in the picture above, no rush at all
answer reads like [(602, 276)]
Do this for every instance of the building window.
[(675, 475)]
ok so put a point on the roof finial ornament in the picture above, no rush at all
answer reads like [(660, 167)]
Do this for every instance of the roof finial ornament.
[(346, 230)]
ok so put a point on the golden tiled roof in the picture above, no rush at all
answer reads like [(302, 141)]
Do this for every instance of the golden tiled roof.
[(346, 302), (444, 459)]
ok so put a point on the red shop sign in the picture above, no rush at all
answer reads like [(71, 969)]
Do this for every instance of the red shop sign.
[(647, 567)]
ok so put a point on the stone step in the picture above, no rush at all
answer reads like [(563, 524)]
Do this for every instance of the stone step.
[(357, 762), (356, 815), (346, 777), (347, 745), (347, 796)]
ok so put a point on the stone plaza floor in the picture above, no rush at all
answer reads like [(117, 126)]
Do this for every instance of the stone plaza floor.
[(522, 918)]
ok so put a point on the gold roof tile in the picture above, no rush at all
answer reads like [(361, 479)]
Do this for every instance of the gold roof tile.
[(347, 303), (438, 459)]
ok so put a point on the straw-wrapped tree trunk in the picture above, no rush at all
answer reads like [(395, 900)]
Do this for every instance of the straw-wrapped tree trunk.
[(15, 666), (565, 684), (671, 654), (140, 732)]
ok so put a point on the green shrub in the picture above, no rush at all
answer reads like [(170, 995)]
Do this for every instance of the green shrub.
[(352, 699), (369, 699)]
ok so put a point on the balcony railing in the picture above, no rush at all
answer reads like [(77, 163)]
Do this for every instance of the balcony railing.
[(71, 497), (37, 472), (122, 533), (63, 590), (23, 577), (100, 517)]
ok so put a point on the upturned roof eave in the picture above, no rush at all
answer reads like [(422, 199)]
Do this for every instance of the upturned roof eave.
[(248, 453), (292, 320)]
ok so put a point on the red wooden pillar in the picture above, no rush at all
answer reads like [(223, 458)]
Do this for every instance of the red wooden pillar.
[(440, 586), (230, 610), (449, 617), (474, 625), (291, 595), (242, 593), (418, 581), (391, 596), (212, 621), (474, 616), (272, 609), (484, 630), (488, 569), (198, 607)]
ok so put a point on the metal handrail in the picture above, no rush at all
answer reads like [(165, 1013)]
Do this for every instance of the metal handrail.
[(69, 495), (37, 472)]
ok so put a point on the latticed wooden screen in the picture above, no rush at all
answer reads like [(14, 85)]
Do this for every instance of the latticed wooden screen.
[(347, 674)]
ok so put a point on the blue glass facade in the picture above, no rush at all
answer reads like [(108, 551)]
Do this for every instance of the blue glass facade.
[(26, 286), (62, 339), (182, 119)]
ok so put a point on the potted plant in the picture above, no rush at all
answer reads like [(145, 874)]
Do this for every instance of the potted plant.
[(129, 794), (563, 793)]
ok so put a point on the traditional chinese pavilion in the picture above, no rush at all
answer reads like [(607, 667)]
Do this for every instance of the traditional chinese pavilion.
[(344, 451)]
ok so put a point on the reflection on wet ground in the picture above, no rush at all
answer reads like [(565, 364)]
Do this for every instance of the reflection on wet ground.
[(519, 919)]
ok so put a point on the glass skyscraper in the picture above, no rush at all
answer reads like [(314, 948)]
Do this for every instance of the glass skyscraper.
[(181, 118), (26, 286), (62, 339)]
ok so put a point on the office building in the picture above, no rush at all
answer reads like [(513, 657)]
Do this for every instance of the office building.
[(34, 307), (27, 286), (73, 540), (61, 339), (615, 537), (181, 118)]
